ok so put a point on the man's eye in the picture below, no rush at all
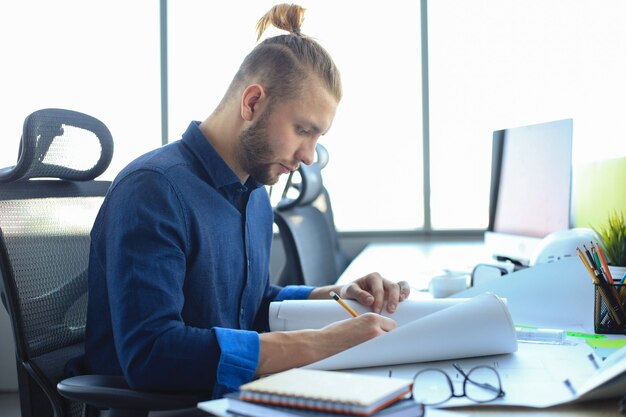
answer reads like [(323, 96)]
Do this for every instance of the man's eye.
[(302, 131)]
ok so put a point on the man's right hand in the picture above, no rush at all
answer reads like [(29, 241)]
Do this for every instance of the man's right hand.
[(345, 334), (285, 350)]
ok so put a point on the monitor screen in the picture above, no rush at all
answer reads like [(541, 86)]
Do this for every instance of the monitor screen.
[(530, 187)]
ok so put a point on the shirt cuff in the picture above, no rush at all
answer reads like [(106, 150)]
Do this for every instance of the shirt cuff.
[(238, 361), (294, 292)]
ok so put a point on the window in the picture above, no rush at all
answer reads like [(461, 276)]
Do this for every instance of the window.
[(99, 58), (374, 175), (492, 64), (498, 64)]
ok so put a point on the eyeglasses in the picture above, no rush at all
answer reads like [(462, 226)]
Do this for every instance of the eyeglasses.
[(432, 386)]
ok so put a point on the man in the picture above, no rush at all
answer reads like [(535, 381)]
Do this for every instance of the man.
[(179, 264)]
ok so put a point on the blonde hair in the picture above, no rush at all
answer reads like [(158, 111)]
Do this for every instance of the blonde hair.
[(283, 64), (283, 16)]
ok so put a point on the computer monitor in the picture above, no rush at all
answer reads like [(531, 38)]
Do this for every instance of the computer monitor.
[(530, 195)]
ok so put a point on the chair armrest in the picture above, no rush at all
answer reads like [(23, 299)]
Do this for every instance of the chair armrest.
[(112, 392)]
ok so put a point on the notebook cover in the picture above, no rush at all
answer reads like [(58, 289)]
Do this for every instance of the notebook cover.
[(340, 392)]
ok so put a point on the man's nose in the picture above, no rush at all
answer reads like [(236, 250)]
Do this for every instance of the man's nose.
[(307, 154)]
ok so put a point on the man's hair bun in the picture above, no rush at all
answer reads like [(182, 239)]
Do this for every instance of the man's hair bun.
[(284, 16)]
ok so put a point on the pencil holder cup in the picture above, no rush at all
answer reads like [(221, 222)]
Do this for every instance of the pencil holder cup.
[(609, 313)]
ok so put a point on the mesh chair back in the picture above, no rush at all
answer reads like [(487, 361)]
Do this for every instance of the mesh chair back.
[(44, 239)]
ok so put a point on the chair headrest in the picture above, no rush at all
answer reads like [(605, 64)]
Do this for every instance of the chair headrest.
[(322, 155), (65, 144), (311, 184)]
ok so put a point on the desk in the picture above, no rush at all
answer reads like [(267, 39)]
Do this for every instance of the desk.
[(589, 409), (416, 263), (593, 409)]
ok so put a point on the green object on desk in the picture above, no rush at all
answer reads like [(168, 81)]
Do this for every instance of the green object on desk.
[(607, 343), (586, 335)]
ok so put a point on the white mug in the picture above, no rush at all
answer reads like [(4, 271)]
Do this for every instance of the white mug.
[(445, 285)]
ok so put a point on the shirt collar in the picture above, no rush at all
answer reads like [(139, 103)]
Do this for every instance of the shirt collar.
[(212, 162)]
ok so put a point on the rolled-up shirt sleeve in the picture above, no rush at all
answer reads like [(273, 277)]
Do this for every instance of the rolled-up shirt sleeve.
[(239, 349), (238, 361), (294, 292)]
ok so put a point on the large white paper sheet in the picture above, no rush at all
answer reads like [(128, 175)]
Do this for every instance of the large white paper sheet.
[(554, 295), (608, 381), (315, 314), (474, 327), (533, 376)]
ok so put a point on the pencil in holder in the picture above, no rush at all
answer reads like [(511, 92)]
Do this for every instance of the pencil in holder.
[(609, 313)]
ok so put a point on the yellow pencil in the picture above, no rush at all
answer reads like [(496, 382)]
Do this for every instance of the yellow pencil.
[(586, 263), (343, 304)]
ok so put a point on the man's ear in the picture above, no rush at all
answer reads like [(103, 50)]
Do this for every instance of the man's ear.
[(252, 100)]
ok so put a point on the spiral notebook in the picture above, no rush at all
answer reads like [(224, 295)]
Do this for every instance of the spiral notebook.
[(338, 392)]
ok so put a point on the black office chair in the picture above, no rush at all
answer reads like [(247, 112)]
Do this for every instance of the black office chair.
[(306, 225), (48, 202)]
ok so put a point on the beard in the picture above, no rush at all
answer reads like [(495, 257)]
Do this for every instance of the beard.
[(254, 152)]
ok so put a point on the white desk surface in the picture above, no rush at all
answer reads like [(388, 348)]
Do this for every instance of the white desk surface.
[(590, 409), (416, 263)]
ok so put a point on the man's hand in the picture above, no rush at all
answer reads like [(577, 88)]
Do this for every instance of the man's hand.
[(285, 350), (371, 290), (351, 332)]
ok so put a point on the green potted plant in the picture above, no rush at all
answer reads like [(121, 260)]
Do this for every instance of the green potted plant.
[(613, 236)]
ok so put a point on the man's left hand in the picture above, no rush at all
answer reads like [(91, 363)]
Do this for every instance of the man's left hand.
[(372, 290)]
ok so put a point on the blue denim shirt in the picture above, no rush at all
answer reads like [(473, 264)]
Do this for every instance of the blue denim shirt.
[(179, 282)]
